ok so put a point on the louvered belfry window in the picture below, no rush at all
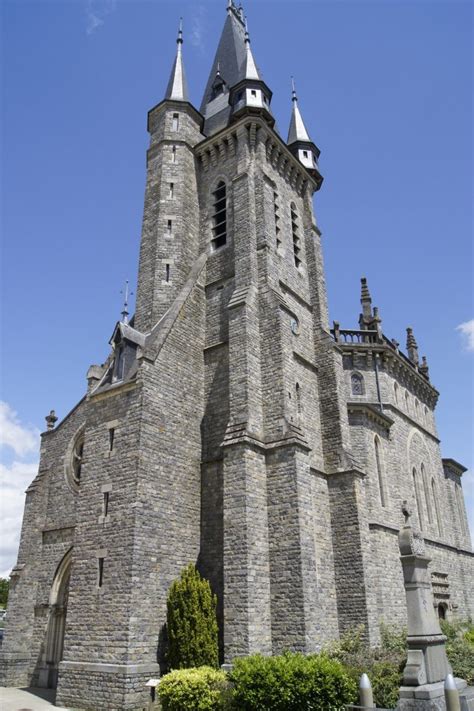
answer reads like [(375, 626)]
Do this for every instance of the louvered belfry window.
[(219, 218), (296, 235)]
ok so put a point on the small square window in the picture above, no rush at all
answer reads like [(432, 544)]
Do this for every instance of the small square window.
[(253, 92)]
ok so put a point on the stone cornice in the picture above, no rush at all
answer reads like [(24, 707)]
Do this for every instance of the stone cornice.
[(278, 153), (371, 412)]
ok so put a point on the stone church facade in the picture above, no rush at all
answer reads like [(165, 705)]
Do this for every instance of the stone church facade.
[(231, 426)]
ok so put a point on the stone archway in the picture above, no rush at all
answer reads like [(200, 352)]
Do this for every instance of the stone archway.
[(54, 643)]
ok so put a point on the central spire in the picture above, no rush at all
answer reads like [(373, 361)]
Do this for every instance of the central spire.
[(177, 89)]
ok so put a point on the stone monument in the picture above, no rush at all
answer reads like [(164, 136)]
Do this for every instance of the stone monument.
[(427, 664)]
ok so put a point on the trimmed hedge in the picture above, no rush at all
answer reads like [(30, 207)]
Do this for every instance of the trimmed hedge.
[(290, 682), (202, 689)]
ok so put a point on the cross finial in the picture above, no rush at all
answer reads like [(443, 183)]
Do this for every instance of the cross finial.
[(180, 31), (126, 295)]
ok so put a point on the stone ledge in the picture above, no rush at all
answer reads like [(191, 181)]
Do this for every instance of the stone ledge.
[(107, 668)]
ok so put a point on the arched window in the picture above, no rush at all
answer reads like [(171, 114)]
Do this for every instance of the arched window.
[(357, 384), (418, 498), (427, 493), (219, 216), (296, 235), (436, 505), (378, 464)]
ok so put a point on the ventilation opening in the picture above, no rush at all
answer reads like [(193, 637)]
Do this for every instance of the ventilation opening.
[(106, 505), (296, 237), (100, 579), (219, 219)]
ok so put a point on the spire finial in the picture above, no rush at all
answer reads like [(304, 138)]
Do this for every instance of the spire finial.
[(365, 298), (412, 347), (247, 36), (180, 32), (293, 90), (126, 295), (177, 89)]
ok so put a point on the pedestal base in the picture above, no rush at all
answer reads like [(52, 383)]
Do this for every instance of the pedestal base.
[(427, 697)]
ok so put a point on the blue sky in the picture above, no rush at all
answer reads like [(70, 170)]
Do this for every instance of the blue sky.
[(386, 92)]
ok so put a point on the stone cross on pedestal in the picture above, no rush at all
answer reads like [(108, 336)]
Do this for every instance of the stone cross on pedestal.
[(427, 664)]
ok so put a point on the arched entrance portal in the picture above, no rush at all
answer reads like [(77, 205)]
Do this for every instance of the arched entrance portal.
[(54, 644)]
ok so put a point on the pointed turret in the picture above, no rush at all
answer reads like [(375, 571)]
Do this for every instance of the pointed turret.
[(177, 89), (240, 85), (299, 141), (412, 347), (250, 95), (369, 319)]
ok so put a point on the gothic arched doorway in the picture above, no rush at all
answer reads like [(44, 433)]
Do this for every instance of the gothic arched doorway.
[(54, 643)]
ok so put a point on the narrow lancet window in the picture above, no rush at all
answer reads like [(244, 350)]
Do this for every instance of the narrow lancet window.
[(167, 272), (296, 235), (106, 504), (436, 505), (380, 476), (173, 154), (169, 227), (175, 122), (219, 218), (427, 493), (418, 498), (298, 398), (111, 438), (171, 191)]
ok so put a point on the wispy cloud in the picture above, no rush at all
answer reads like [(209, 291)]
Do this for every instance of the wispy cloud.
[(96, 12), (198, 27), (467, 330), (20, 442), (15, 436), (14, 479)]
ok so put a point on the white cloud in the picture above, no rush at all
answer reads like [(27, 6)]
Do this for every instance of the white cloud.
[(14, 435), (197, 28), (467, 330), (96, 12), (14, 479)]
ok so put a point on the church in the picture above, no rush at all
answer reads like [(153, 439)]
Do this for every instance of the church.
[(231, 426)]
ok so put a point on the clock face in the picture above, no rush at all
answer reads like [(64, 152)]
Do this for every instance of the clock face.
[(295, 326)]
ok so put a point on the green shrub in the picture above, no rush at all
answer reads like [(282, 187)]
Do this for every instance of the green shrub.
[(290, 682), (460, 648), (202, 689), (383, 664), (191, 622)]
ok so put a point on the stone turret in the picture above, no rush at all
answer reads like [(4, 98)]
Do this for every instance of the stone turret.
[(300, 143)]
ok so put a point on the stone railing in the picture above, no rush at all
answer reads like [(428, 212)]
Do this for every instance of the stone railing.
[(344, 335)]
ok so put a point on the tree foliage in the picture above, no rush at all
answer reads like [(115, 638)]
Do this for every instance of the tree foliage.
[(4, 587), (191, 622)]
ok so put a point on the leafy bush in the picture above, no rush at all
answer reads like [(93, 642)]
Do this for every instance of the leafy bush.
[(191, 622), (383, 665), (290, 682), (202, 689), (460, 648)]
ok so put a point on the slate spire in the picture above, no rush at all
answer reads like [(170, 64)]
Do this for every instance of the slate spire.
[(177, 89), (251, 71), (297, 130), (299, 141)]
